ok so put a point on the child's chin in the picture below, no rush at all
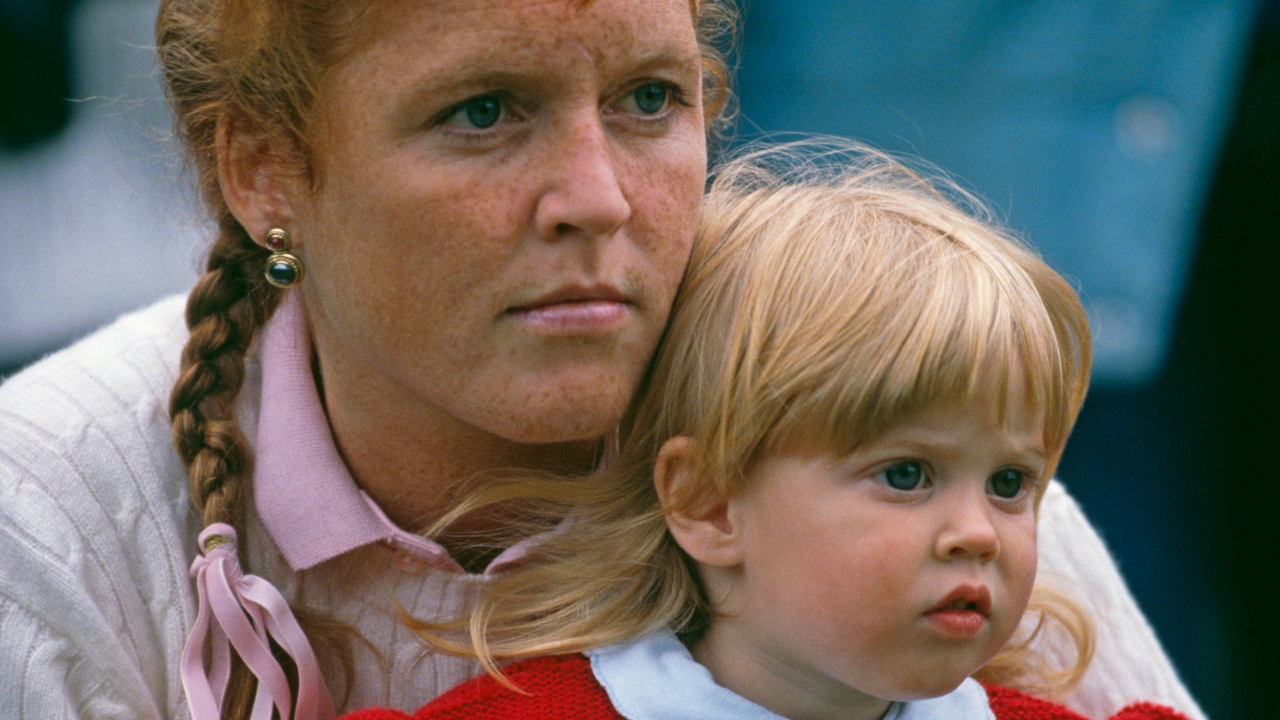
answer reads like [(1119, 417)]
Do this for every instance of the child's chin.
[(929, 688)]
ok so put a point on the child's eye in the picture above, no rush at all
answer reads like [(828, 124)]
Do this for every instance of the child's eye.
[(907, 475), (478, 113), (1007, 484)]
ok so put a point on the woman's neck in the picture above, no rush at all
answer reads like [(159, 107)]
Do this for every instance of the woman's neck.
[(410, 457)]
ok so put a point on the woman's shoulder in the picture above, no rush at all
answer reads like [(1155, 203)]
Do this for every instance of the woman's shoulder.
[(95, 527), (1128, 661), (92, 419), (1009, 704), (136, 354)]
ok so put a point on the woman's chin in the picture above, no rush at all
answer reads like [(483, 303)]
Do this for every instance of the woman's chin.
[(562, 418), (556, 426), (561, 407)]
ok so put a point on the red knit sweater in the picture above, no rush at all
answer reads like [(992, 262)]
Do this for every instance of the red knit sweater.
[(564, 687)]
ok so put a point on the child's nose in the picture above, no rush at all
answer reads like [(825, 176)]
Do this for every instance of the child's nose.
[(969, 532)]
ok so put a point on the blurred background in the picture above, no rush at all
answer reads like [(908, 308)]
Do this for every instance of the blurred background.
[(1136, 143), (95, 216)]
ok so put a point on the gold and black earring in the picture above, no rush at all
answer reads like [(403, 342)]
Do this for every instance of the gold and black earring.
[(284, 269)]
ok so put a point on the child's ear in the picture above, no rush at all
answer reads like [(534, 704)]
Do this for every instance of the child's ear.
[(255, 184), (701, 522)]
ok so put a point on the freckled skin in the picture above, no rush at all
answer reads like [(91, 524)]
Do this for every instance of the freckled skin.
[(427, 231), (825, 616)]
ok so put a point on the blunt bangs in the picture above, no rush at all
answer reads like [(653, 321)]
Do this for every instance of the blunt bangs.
[(828, 301)]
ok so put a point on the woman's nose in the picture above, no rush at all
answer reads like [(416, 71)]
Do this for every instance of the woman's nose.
[(968, 531), (584, 194)]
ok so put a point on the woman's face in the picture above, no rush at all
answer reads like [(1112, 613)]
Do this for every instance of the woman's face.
[(508, 196)]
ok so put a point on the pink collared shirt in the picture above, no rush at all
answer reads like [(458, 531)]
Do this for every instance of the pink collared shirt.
[(329, 549), (309, 503)]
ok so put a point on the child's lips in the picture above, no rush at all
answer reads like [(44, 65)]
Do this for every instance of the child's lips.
[(963, 612), (972, 598), (957, 623)]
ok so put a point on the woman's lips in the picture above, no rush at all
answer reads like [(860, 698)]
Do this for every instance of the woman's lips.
[(590, 309), (573, 317)]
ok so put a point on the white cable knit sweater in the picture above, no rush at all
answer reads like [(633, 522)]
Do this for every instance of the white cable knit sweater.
[(97, 535)]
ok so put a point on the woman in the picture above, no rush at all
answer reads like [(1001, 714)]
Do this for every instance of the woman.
[(479, 211)]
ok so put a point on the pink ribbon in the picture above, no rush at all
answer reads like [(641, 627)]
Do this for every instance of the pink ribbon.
[(245, 612)]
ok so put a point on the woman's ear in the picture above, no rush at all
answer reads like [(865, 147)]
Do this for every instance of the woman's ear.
[(255, 184), (700, 519)]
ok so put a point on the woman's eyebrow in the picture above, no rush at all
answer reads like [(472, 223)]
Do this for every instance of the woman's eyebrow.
[(664, 57)]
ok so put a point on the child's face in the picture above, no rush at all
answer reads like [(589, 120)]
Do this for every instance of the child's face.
[(890, 574)]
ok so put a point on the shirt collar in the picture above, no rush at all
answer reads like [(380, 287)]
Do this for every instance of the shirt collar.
[(306, 497), (630, 672)]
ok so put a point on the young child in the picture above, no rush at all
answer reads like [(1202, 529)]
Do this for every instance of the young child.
[(824, 503)]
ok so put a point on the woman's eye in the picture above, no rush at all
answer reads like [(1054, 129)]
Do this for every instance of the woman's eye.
[(903, 476), (1007, 484), (478, 113), (648, 99)]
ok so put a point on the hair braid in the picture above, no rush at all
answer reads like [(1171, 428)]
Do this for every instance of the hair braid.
[(225, 309), (256, 62)]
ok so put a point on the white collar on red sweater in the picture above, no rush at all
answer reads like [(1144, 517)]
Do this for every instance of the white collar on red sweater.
[(655, 678)]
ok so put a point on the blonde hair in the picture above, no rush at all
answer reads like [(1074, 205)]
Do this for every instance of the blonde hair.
[(261, 64), (832, 292)]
